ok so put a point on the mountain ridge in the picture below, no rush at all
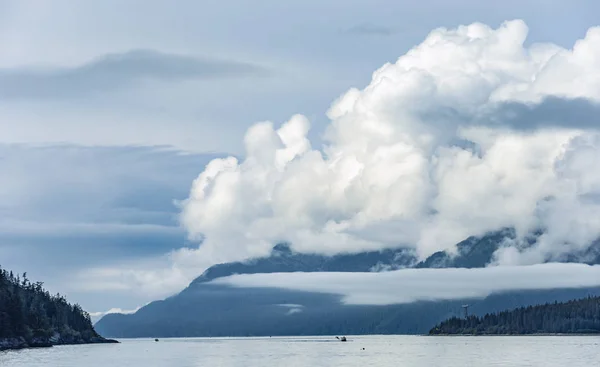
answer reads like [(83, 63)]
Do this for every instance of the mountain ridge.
[(207, 309), (473, 252)]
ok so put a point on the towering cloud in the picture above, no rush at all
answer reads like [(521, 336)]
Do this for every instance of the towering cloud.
[(468, 132)]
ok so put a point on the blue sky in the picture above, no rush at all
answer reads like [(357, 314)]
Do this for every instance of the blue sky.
[(110, 109)]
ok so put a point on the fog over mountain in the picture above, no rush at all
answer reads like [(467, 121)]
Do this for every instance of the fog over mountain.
[(413, 285)]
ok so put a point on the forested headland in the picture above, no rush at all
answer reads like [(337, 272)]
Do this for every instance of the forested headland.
[(31, 317), (580, 316)]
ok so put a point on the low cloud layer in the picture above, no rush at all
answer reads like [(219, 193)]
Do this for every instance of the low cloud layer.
[(115, 71), (391, 172), (411, 285), (97, 315)]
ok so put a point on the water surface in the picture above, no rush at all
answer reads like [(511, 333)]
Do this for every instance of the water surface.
[(409, 351)]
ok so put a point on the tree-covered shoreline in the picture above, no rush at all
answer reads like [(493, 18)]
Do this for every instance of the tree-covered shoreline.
[(31, 317), (581, 317)]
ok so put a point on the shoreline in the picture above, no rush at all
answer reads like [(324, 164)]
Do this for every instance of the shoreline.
[(238, 337), (531, 334), (19, 343)]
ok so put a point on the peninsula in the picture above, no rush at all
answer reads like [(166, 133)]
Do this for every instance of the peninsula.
[(31, 317)]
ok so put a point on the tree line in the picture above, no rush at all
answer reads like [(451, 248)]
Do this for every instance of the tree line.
[(28, 310), (581, 316)]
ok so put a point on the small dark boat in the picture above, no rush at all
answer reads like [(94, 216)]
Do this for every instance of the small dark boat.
[(342, 339), (155, 340)]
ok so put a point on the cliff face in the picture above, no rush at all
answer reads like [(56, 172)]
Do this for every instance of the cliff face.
[(31, 317)]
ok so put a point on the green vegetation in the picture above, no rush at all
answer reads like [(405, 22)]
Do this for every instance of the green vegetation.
[(573, 317), (31, 317)]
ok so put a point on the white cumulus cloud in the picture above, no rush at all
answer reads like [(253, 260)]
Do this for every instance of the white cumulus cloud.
[(425, 155)]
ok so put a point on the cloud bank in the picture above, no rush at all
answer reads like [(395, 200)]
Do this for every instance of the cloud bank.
[(466, 133), (115, 71), (114, 310), (411, 285), (68, 209)]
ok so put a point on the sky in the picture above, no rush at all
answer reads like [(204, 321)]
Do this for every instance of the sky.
[(110, 112)]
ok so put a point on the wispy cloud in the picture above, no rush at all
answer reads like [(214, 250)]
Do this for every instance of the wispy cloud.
[(67, 208), (47, 230), (114, 310), (115, 71), (150, 277), (411, 285), (292, 308)]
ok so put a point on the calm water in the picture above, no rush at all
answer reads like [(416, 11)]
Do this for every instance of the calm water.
[(320, 351)]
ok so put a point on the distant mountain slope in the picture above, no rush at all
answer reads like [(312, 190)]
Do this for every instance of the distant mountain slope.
[(284, 260), (210, 310), (576, 316), (31, 317), (205, 309), (474, 252)]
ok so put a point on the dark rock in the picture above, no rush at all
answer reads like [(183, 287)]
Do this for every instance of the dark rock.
[(39, 342), (13, 343), (44, 342)]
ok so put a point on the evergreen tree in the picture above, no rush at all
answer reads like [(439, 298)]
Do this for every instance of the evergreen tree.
[(27, 310), (577, 316)]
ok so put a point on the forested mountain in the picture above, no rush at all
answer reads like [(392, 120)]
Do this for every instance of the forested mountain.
[(284, 260), (474, 252), (206, 309), (32, 317), (578, 316), (212, 310)]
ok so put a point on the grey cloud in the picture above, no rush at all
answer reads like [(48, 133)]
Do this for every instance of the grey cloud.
[(550, 112), (72, 206), (115, 71), (411, 285), (578, 113), (70, 183), (67, 208), (48, 230)]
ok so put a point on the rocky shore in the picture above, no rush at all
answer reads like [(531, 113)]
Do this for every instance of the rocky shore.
[(38, 342)]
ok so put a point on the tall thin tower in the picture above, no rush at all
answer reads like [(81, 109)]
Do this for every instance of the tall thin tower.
[(466, 308)]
